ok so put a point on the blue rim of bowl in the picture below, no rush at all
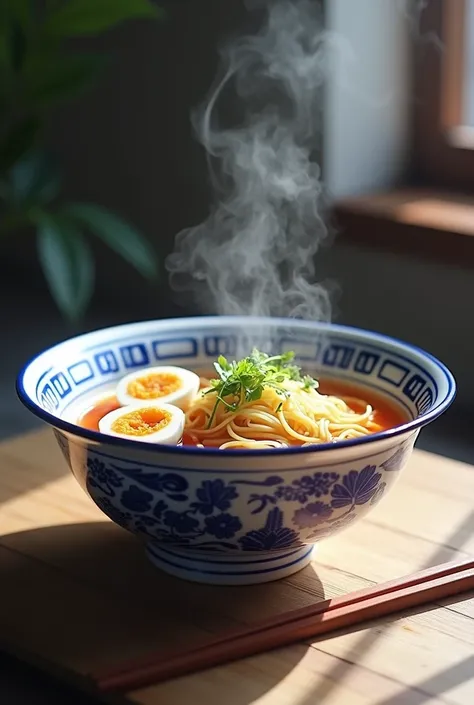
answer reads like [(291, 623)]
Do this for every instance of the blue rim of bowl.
[(102, 438)]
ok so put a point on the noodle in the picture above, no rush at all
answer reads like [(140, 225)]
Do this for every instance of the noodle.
[(261, 401), (302, 417)]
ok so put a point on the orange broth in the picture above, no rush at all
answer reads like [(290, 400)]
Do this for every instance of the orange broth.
[(385, 414)]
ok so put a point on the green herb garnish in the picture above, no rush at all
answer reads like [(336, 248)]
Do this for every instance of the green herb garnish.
[(309, 383), (246, 379)]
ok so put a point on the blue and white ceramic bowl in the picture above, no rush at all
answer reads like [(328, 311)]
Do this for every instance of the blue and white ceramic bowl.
[(233, 516)]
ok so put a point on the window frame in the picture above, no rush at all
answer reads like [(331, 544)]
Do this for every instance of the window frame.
[(428, 213), (443, 149)]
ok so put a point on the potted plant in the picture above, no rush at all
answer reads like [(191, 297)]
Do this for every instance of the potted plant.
[(38, 68)]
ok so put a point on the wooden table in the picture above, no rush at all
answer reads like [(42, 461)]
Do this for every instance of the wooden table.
[(78, 593)]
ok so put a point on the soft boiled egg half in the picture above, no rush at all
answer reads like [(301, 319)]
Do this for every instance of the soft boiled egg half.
[(152, 422), (170, 385)]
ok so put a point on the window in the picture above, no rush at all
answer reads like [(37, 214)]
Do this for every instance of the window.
[(428, 211), (444, 95)]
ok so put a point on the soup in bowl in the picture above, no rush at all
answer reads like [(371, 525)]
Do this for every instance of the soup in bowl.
[(232, 445)]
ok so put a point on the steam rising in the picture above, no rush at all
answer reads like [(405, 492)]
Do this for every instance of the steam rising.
[(254, 254), (413, 10)]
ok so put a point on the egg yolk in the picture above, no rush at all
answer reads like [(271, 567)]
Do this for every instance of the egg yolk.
[(153, 386), (141, 422)]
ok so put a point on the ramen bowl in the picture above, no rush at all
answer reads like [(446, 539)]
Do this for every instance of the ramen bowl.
[(234, 516)]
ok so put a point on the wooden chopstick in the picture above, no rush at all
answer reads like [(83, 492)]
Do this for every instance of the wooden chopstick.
[(313, 610), (387, 598)]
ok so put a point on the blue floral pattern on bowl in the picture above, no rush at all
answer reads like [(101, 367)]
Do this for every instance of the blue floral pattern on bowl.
[(166, 506)]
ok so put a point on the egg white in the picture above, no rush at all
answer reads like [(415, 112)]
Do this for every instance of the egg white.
[(171, 434), (181, 397)]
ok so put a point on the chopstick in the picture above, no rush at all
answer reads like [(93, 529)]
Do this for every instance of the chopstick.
[(430, 585)]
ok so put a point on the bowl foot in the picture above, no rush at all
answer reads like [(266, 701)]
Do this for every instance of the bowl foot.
[(225, 569)]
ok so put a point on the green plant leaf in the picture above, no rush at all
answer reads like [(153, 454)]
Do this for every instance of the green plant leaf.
[(67, 263), (34, 179), (117, 234), (48, 78), (86, 17), (18, 141)]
